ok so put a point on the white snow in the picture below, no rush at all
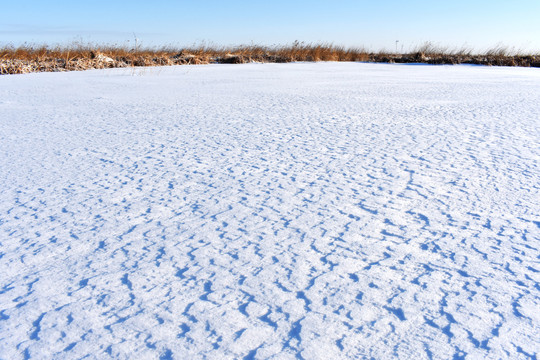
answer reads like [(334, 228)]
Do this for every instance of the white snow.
[(314, 211)]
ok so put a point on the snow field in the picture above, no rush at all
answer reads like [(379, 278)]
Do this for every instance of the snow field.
[(308, 210)]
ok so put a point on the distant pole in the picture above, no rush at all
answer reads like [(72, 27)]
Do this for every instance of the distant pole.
[(136, 42), (397, 41)]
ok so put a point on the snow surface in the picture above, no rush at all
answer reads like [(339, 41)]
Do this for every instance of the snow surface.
[(314, 211)]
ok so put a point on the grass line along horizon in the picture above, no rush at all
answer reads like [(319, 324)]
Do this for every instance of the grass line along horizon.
[(42, 58)]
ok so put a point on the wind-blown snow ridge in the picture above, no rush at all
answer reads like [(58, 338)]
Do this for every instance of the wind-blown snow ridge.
[(311, 211)]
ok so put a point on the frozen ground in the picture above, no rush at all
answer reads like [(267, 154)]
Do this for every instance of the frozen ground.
[(314, 211)]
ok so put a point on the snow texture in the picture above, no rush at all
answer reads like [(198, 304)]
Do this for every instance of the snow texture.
[(310, 211)]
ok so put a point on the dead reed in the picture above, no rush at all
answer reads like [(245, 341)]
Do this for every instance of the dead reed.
[(28, 58)]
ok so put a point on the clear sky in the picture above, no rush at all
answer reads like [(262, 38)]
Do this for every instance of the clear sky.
[(479, 24)]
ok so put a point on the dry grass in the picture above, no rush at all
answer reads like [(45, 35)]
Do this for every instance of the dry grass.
[(24, 59)]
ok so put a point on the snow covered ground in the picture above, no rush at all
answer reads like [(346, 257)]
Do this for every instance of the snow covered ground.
[(311, 211)]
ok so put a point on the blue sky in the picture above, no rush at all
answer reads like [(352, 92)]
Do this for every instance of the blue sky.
[(374, 24)]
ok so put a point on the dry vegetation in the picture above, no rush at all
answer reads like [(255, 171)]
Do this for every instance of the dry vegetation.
[(25, 59)]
